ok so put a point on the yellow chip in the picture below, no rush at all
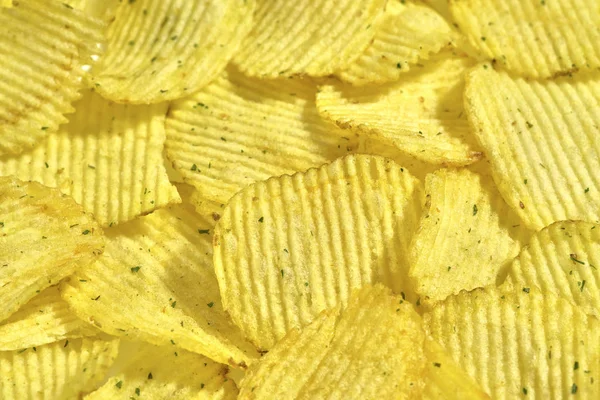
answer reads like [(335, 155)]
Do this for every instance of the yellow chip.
[(467, 233), (371, 350), (45, 48), (534, 38), (310, 37), (404, 35), (61, 370), (240, 130), (520, 343), (164, 50), (422, 114), (167, 372), (156, 283), (44, 237), (109, 157), (290, 247), (541, 139)]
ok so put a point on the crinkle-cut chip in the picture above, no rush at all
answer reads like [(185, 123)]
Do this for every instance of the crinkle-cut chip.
[(156, 283), (44, 319), (404, 35), (465, 236), (240, 130), (563, 259), (422, 114), (541, 139), (109, 158), (60, 370), (44, 237), (533, 38), (167, 372), (312, 37), (290, 247), (373, 349), (520, 342), (46, 49), (164, 50)]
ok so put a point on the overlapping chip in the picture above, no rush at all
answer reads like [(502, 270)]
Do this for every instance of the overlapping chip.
[(422, 114), (541, 139), (109, 158)]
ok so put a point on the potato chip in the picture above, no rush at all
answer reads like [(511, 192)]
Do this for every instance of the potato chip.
[(371, 350), (422, 114), (533, 38), (540, 137), (61, 370), (240, 130), (290, 247), (45, 48), (164, 50), (167, 372), (404, 35), (109, 157), (310, 37), (520, 343), (44, 236), (156, 283), (45, 319)]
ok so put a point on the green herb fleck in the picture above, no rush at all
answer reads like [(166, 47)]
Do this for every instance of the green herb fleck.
[(194, 167), (529, 124), (525, 391), (136, 268), (173, 304), (573, 257), (86, 232), (526, 289), (203, 231), (398, 65), (44, 128), (573, 389), (119, 384), (582, 285), (475, 209), (483, 38), (223, 139), (576, 366), (150, 375), (212, 303), (137, 391), (202, 386), (587, 190), (131, 42), (66, 343), (261, 219), (436, 364), (282, 273)]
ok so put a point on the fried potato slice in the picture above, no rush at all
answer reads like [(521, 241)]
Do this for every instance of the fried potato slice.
[(378, 340), (109, 157), (520, 342), (46, 49), (166, 372), (44, 237), (422, 114), (541, 139), (404, 35), (290, 247), (61, 370), (533, 38), (164, 50), (240, 130), (156, 283), (311, 37)]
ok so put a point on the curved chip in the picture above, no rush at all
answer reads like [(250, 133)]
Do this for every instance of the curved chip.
[(164, 50), (109, 157), (45, 48), (520, 343), (541, 139), (531, 37), (290, 247), (422, 114), (61, 370), (240, 130), (44, 237), (156, 283), (371, 350), (310, 37)]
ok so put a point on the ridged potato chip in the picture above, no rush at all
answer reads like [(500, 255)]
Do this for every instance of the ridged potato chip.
[(422, 114), (164, 50), (373, 349), (311, 37), (240, 130), (520, 342), (290, 247), (533, 38), (61, 370), (44, 237), (46, 49), (109, 157), (541, 139)]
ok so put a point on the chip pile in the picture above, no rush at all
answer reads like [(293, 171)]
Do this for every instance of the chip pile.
[(258, 199)]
